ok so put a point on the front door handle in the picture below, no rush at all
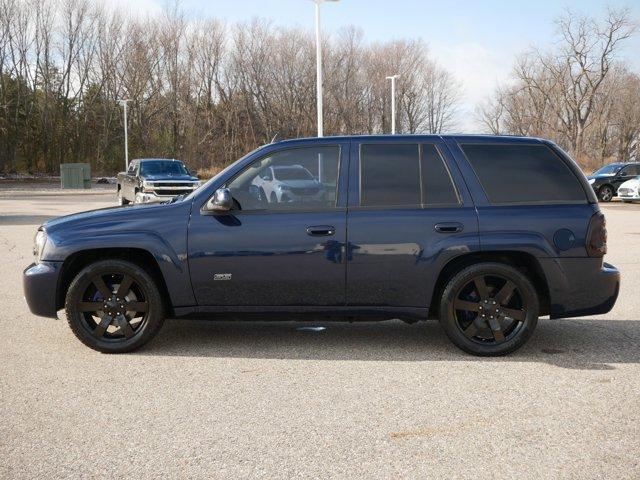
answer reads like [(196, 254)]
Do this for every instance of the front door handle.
[(321, 230), (448, 227)]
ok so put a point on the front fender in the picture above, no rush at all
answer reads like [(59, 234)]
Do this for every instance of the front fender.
[(174, 270), (160, 230)]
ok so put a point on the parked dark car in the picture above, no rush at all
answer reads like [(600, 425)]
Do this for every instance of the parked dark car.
[(606, 180), (153, 180), (485, 233)]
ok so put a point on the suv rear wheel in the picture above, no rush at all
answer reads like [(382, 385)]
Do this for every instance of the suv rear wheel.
[(114, 306), (489, 309)]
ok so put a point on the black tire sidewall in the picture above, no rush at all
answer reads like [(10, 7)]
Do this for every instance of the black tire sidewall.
[(75, 318), (447, 313), (601, 190)]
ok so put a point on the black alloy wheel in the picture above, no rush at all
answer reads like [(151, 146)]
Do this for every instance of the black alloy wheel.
[(114, 306), (605, 193), (489, 309)]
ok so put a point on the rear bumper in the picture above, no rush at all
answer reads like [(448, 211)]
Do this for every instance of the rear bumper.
[(40, 283), (580, 287)]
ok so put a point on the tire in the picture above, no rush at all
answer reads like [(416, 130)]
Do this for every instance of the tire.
[(273, 198), (513, 316), (138, 198), (120, 199), (106, 325), (605, 193)]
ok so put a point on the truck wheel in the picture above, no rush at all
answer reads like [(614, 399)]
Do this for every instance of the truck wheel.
[(489, 309), (114, 306), (605, 193), (121, 200)]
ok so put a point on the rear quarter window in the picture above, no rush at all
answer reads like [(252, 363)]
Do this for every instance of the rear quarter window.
[(523, 174)]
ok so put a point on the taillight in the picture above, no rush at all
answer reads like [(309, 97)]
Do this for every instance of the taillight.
[(597, 236)]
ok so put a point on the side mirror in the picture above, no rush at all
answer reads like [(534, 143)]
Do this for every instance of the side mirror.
[(222, 201)]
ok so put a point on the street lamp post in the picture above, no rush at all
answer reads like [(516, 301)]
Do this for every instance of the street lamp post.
[(393, 102), (126, 136), (319, 64)]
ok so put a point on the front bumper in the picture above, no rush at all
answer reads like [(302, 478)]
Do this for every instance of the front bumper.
[(628, 194), (153, 197), (580, 287), (40, 285)]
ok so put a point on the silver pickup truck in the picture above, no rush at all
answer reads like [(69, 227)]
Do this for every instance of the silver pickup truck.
[(151, 180)]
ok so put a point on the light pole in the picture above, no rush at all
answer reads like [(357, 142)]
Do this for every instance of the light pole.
[(126, 136), (319, 64), (393, 102)]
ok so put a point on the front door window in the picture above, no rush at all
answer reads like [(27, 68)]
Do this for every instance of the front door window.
[(292, 179)]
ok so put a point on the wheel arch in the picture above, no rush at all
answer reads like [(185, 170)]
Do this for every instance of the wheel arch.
[(524, 262), (138, 256)]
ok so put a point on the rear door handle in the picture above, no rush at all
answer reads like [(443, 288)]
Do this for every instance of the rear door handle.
[(448, 227), (321, 230)]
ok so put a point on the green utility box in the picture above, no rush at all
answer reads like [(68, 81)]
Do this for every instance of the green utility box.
[(75, 175)]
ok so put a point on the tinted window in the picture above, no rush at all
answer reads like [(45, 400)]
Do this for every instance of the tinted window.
[(390, 175), (304, 178), (608, 170), (438, 186), (523, 173), (632, 170), (163, 167)]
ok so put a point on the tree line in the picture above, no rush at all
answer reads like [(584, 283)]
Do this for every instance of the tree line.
[(199, 90), (207, 92), (578, 93)]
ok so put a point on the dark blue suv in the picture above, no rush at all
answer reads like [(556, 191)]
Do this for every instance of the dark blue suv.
[(484, 233)]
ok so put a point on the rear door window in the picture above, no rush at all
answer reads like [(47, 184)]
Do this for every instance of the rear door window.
[(438, 185), (404, 175), (390, 175), (523, 174)]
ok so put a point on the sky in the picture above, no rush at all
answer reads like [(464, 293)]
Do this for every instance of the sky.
[(477, 41)]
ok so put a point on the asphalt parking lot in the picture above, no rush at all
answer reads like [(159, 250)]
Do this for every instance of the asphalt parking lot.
[(267, 400)]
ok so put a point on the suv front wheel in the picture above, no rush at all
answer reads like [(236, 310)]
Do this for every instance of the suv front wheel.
[(114, 306), (489, 309), (605, 193)]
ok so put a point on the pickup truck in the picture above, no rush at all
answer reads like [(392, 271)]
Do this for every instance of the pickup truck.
[(484, 233), (152, 180)]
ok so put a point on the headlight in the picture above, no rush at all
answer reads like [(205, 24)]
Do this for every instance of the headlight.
[(284, 188), (592, 181), (39, 243), (147, 186)]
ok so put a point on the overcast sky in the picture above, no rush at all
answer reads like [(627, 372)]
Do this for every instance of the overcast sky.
[(476, 40)]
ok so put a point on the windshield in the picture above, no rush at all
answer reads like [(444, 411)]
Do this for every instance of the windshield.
[(163, 167), (292, 173), (608, 170)]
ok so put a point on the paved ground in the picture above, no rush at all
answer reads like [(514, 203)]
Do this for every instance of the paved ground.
[(229, 400)]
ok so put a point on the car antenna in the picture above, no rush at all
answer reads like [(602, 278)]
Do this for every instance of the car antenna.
[(274, 138)]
